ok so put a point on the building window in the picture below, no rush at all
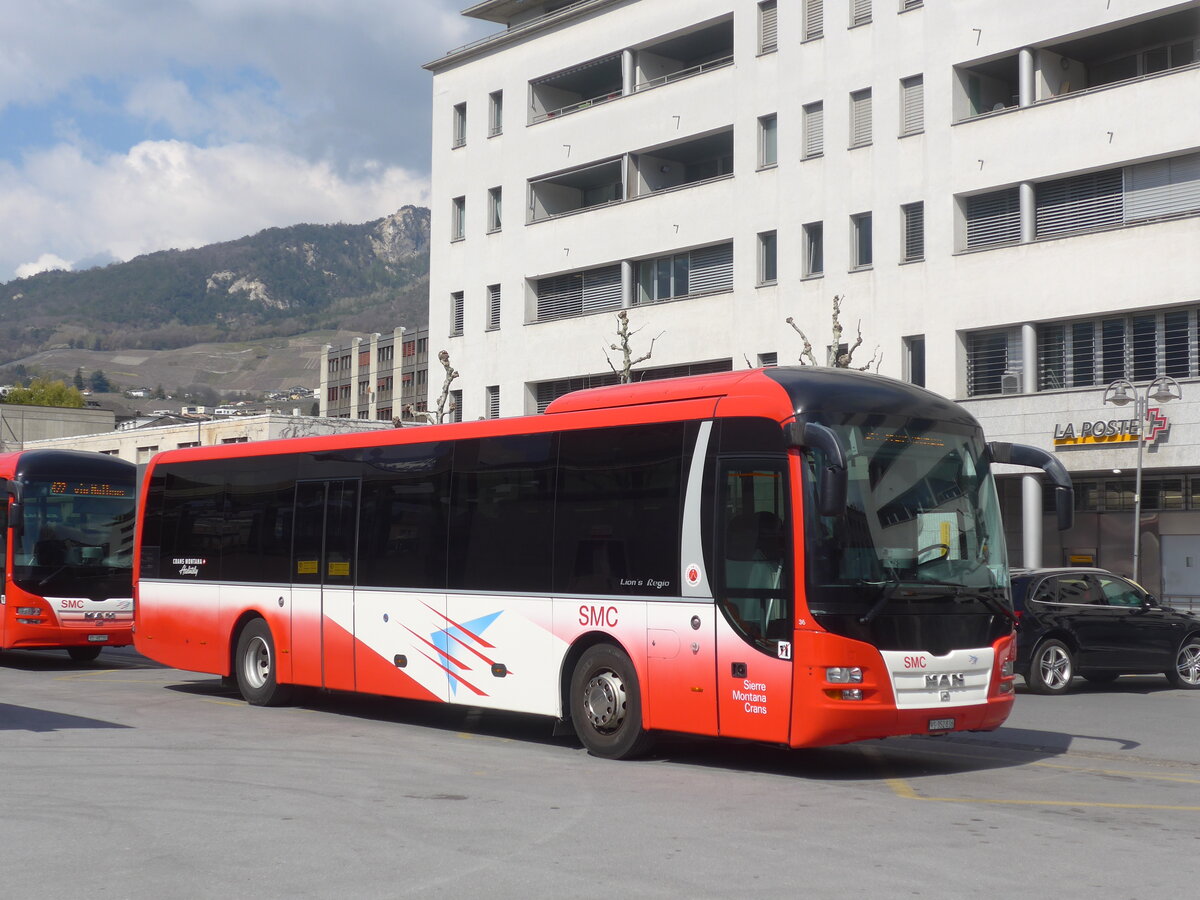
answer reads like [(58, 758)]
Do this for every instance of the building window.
[(387, 353), (364, 359), (912, 105), (767, 360), (496, 113), (493, 314), (906, 5), (993, 219), (333, 393), (1082, 203), (814, 129), (914, 359), (768, 148), (860, 118), (1139, 347), (913, 216), (458, 218), (495, 222), (860, 241), (144, 453), (456, 313), (493, 401), (814, 249), (767, 258), (768, 39), (814, 19), (579, 293), (364, 389), (993, 362), (705, 270), (409, 348), (860, 12), (459, 136), (243, 439), (455, 410)]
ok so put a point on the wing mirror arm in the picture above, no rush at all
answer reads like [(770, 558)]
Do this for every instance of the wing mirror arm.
[(831, 499), (1037, 458)]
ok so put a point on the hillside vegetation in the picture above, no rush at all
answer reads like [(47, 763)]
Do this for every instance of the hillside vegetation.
[(274, 284)]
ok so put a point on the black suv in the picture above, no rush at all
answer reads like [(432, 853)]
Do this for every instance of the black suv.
[(1099, 625)]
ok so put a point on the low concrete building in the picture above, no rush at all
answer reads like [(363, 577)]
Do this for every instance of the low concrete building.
[(139, 444), (21, 424)]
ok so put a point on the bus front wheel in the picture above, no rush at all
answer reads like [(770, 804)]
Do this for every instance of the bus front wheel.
[(255, 668), (606, 704)]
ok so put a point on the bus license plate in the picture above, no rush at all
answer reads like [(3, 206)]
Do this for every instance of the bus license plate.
[(97, 637), (941, 724)]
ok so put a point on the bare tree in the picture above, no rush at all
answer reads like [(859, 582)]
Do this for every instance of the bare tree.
[(625, 373), (451, 374), (835, 356)]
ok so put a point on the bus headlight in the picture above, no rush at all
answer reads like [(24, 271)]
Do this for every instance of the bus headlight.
[(843, 675), (852, 693), (29, 610)]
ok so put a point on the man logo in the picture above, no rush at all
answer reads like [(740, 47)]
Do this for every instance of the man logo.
[(945, 680)]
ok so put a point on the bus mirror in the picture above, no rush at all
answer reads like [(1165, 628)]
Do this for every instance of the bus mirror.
[(1037, 458), (15, 518), (831, 499)]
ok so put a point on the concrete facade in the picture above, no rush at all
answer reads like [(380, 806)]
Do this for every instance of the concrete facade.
[(138, 445), (20, 424), (381, 377), (1039, 141)]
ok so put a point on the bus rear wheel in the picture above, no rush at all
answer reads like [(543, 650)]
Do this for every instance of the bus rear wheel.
[(606, 704), (255, 668), (83, 654)]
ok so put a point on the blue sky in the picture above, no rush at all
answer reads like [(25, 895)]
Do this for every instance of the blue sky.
[(128, 126)]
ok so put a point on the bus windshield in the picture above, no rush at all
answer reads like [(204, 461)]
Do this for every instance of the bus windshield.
[(74, 538), (921, 511)]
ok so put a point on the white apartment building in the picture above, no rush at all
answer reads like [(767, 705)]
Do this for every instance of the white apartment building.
[(1005, 194)]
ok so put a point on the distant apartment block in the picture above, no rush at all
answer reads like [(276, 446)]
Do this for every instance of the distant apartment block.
[(380, 377)]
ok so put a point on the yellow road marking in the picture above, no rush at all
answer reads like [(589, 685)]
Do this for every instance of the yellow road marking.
[(223, 702), (901, 788)]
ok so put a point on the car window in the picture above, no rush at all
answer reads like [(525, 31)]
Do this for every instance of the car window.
[(1118, 592), (1075, 589)]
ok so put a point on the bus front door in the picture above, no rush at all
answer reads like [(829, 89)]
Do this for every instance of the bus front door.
[(323, 575), (754, 596)]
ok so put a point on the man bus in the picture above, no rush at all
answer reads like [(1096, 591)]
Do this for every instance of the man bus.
[(799, 555), (68, 551)]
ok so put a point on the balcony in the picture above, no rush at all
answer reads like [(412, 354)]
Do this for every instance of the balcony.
[(663, 61), (667, 167), (1069, 66)]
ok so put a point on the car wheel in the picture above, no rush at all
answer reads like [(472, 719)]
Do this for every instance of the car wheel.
[(606, 704), (1051, 668), (1101, 677), (1186, 673), (255, 669), (83, 654)]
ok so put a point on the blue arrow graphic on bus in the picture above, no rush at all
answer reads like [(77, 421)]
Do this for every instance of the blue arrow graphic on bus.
[(457, 637)]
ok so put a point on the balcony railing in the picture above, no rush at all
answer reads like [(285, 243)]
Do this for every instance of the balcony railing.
[(576, 107), (685, 73)]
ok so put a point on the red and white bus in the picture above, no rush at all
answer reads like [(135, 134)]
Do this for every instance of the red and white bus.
[(796, 555), (68, 551)]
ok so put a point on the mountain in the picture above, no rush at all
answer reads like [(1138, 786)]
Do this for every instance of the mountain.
[(275, 284)]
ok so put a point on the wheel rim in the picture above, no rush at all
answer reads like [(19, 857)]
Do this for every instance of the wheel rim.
[(1188, 664), (604, 701), (1055, 668), (256, 664)]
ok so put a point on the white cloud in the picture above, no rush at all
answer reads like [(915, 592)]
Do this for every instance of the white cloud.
[(203, 120), (44, 263), (171, 194)]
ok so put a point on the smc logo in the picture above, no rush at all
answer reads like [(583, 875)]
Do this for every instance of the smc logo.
[(914, 662), (598, 616), (71, 604)]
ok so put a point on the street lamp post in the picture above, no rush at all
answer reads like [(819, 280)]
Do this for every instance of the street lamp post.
[(1162, 389)]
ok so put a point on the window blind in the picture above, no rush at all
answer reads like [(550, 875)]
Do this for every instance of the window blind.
[(814, 129), (860, 118), (994, 218), (1081, 203), (912, 102)]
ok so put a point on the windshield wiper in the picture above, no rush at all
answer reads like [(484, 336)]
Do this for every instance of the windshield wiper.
[(988, 598)]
